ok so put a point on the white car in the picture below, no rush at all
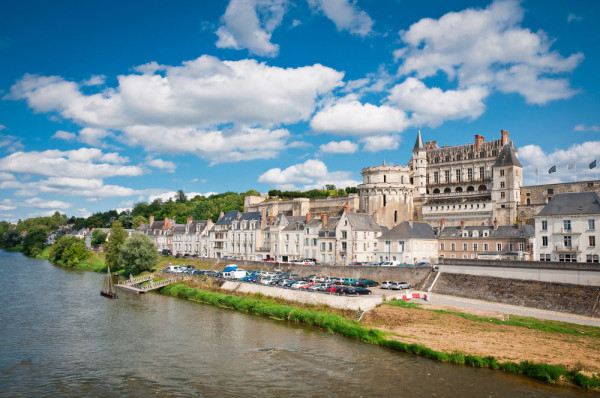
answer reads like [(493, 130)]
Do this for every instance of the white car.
[(298, 284), (400, 285), (386, 284)]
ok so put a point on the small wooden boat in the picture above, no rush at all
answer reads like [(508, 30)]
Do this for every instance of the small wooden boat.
[(109, 287)]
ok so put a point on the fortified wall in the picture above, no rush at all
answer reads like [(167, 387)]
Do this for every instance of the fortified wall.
[(332, 205)]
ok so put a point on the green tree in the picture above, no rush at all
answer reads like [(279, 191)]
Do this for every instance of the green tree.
[(75, 254), (138, 254), (180, 197), (329, 187), (11, 238), (98, 237), (115, 241), (251, 192), (138, 220), (34, 242), (58, 249)]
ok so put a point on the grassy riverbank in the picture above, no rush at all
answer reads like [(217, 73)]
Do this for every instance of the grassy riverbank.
[(334, 323)]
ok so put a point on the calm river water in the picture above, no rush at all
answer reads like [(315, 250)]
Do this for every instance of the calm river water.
[(59, 337)]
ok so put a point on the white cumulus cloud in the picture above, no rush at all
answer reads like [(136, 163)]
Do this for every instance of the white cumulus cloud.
[(345, 15), (47, 204), (582, 127), (354, 118), (488, 47), (64, 135), (380, 143), (161, 164), (312, 174), (248, 24), (339, 147)]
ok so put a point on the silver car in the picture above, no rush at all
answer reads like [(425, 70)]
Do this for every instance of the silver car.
[(386, 284), (400, 285)]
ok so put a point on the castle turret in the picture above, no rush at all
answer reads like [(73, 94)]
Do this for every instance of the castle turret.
[(419, 161), (507, 181)]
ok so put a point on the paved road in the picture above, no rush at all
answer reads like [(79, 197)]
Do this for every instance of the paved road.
[(470, 304)]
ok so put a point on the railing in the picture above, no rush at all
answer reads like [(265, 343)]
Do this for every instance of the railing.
[(460, 181), (568, 249), (137, 279), (449, 194), (326, 234), (569, 231)]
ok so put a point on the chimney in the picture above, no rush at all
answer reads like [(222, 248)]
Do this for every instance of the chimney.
[(462, 224), (307, 217), (88, 229), (271, 220), (443, 224), (479, 139), (376, 216), (520, 222), (167, 224), (221, 214), (410, 223), (504, 135), (495, 224), (263, 219), (189, 220), (151, 220), (346, 207), (323, 220)]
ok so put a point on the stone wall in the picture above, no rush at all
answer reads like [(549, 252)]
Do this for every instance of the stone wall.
[(333, 205), (561, 297)]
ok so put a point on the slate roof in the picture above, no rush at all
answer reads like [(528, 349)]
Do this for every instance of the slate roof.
[(250, 216), (572, 204), (295, 223), (507, 157), (419, 230), (418, 142), (230, 216), (362, 222)]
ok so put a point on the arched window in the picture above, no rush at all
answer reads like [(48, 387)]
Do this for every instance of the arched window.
[(447, 190), (470, 188), (458, 189), (482, 188), (528, 201), (436, 191)]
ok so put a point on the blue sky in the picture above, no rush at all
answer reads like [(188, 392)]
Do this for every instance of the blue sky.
[(105, 104)]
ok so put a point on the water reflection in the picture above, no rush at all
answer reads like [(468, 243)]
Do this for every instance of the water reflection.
[(59, 337)]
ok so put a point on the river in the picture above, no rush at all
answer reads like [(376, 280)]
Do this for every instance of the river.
[(59, 337)]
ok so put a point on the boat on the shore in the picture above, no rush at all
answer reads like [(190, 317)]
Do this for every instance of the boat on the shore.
[(109, 287)]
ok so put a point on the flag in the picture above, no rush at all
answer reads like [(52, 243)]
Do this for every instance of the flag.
[(593, 164), (537, 171), (571, 165), (552, 170)]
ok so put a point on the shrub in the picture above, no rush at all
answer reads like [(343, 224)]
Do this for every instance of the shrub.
[(474, 361), (542, 371)]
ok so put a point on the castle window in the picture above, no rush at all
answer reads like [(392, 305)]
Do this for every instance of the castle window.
[(481, 173), (401, 179), (384, 178), (447, 175), (470, 188), (384, 201), (458, 189), (470, 174), (458, 172), (447, 158), (501, 173), (482, 188), (437, 159), (436, 191), (395, 216), (482, 154), (528, 201), (494, 152), (447, 190), (459, 157), (502, 184), (436, 177)]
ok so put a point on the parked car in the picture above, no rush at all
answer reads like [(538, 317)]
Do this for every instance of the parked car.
[(298, 284), (339, 289), (357, 263), (400, 285), (364, 283), (348, 281), (362, 291), (289, 283), (386, 284), (166, 252), (391, 264), (212, 274), (423, 264), (372, 264)]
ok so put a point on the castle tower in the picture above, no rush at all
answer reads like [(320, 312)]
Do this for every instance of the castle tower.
[(419, 162), (507, 180)]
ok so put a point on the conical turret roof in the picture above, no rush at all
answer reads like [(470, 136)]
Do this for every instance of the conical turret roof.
[(508, 157), (418, 142)]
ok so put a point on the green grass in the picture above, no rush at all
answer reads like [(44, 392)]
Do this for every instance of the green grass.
[(546, 326), (337, 324)]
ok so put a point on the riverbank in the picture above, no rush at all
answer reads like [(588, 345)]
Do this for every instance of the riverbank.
[(399, 326)]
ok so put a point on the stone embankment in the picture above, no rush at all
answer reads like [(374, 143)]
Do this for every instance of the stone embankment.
[(562, 297)]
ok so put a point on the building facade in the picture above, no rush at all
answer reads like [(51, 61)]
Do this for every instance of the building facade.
[(566, 228)]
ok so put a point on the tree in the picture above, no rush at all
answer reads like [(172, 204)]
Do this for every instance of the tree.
[(138, 254), (115, 241), (180, 197), (34, 242), (329, 187), (251, 192), (98, 237), (139, 220), (11, 238), (75, 254)]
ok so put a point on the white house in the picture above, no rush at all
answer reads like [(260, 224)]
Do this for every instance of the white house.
[(409, 243)]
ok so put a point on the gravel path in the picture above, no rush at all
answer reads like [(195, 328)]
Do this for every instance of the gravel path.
[(469, 305)]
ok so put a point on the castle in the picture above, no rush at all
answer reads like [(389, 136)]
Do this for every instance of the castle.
[(478, 183)]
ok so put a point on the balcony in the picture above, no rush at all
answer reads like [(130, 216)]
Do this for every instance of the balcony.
[(458, 194), (454, 181), (326, 234), (566, 249), (568, 231)]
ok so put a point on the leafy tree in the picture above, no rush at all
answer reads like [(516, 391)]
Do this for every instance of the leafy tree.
[(251, 192), (138, 254), (98, 237), (350, 190), (11, 238), (140, 209), (180, 197), (126, 220), (329, 187), (274, 192), (34, 242), (115, 241), (139, 220), (76, 253), (57, 250)]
